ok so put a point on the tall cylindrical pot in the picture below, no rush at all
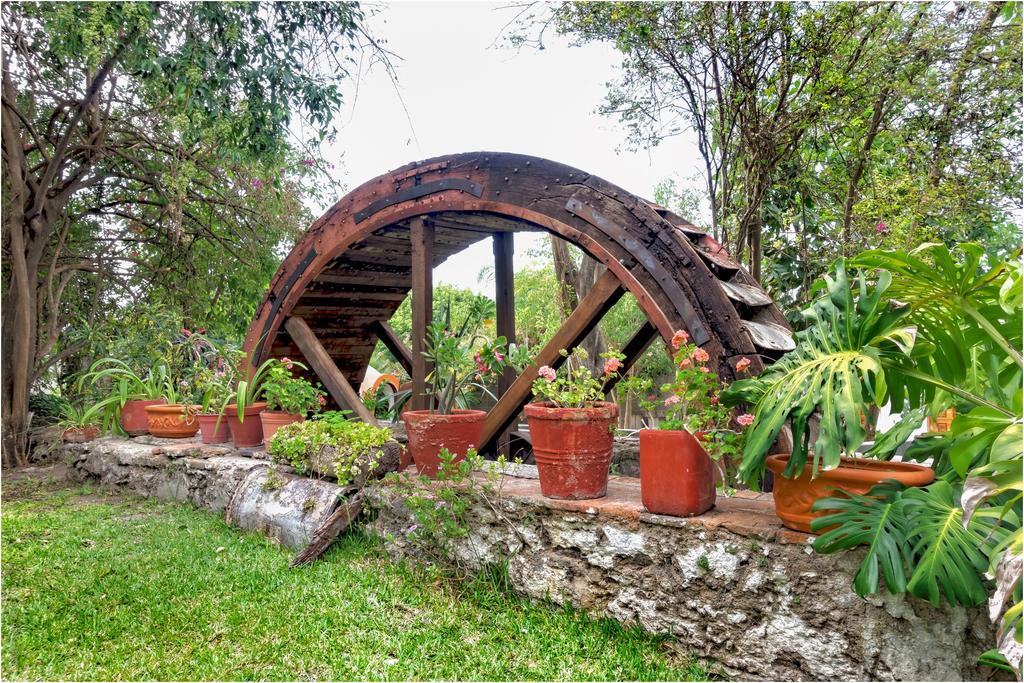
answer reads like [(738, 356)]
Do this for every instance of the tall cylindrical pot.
[(213, 428), (247, 432), (133, 419), (677, 476), (429, 432), (572, 448), (275, 419)]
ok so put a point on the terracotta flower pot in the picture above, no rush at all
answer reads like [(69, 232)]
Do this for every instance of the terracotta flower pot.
[(794, 497), (572, 448), (210, 431), (80, 434), (273, 420), (430, 432), (677, 476), (248, 432), (134, 420), (168, 421)]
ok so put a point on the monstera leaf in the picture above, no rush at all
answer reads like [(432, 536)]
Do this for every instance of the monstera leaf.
[(837, 369)]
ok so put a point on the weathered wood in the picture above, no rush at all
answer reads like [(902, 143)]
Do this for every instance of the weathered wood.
[(393, 344), (329, 531), (505, 305), (632, 351), (601, 297), (422, 237), (323, 365)]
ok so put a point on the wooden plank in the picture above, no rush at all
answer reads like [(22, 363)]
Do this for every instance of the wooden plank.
[(505, 322), (746, 294), (421, 236), (601, 297), (632, 351), (393, 344), (323, 365)]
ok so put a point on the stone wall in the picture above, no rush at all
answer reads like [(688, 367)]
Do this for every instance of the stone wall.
[(733, 586)]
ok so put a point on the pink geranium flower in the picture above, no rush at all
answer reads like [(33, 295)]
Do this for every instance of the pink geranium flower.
[(672, 400), (685, 364), (547, 373), (679, 338), (743, 364), (287, 363), (700, 355), (745, 420), (612, 365)]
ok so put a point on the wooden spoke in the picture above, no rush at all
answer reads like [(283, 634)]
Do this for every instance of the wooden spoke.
[(504, 295), (422, 237), (393, 344), (322, 364), (634, 348), (602, 296)]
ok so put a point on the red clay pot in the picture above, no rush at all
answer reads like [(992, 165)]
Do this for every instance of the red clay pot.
[(430, 432), (794, 497), (248, 432), (572, 448), (273, 420), (168, 421), (80, 434), (210, 431), (134, 420), (677, 476)]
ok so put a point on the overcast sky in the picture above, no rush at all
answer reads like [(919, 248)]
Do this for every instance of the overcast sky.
[(462, 92)]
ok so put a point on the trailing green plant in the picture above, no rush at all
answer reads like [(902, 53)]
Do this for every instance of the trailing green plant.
[(282, 391), (452, 380), (573, 385), (294, 444), (920, 331), (440, 507)]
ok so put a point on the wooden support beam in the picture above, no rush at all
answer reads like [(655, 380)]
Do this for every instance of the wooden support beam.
[(393, 344), (632, 351), (601, 297), (421, 235), (323, 365), (504, 295)]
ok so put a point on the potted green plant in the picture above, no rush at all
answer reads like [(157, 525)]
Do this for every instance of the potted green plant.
[(677, 474), (131, 391), (572, 427), (836, 372), (214, 386), (80, 423), (448, 423), (289, 399), (244, 401), (175, 419)]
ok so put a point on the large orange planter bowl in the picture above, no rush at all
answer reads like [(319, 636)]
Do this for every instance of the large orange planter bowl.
[(572, 448), (169, 422), (677, 476), (429, 432), (794, 497)]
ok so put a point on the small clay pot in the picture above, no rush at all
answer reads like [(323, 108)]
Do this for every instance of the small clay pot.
[(212, 432), (80, 434), (429, 432), (134, 420), (794, 497), (248, 432), (572, 448), (677, 476), (168, 421), (273, 420)]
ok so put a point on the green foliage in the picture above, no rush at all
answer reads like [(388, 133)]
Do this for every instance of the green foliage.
[(75, 416), (46, 408), (290, 394), (295, 443), (448, 349), (837, 368), (573, 385)]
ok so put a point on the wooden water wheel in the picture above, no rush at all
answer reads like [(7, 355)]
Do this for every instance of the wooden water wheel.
[(332, 297)]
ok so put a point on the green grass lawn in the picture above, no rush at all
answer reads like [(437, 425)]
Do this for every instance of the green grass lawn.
[(104, 587)]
